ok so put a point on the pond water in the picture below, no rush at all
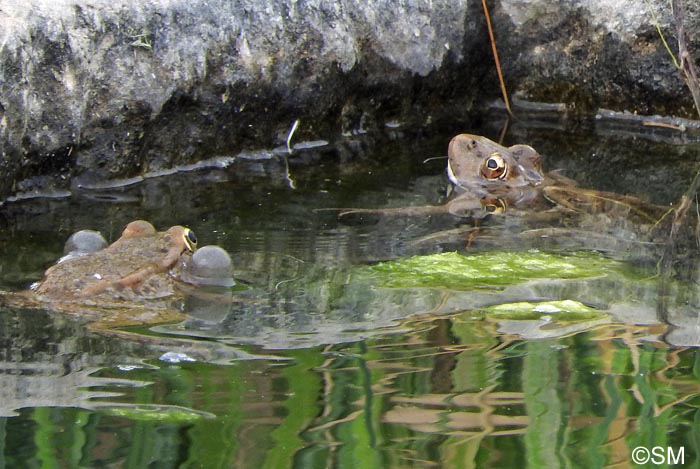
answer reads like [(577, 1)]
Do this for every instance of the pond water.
[(327, 360)]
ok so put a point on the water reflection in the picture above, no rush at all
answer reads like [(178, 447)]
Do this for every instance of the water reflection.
[(455, 397), (447, 391)]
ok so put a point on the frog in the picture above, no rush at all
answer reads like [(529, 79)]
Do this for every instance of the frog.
[(476, 162), (491, 180), (135, 266), (138, 279), (555, 206), (487, 179)]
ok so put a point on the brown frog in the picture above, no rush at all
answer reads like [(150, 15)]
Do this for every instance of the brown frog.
[(551, 206), (139, 265), (477, 163), (491, 179), (138, 279)]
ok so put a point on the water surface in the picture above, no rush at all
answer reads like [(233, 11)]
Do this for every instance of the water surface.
[(319, 369)]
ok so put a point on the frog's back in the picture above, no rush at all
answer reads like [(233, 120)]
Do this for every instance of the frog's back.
[(69, 279)]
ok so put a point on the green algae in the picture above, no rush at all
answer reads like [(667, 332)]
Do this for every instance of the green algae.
[(494, 270)]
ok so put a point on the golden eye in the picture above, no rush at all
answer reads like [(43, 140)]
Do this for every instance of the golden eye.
[(494, 167), (494, 205), (190, 239)]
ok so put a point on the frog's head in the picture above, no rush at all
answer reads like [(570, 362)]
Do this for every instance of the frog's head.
[(477, 161)]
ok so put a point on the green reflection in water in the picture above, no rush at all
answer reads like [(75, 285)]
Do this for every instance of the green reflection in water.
[(449, 393), (60, 436), (301, 408), (541, 386)]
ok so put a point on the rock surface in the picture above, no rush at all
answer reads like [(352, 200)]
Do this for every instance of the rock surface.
[(597, 53), (96, 89)]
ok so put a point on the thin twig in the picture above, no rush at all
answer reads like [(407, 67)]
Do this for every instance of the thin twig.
[(665, 125), (288, 175), (432, 158), (495, 57), (290, 134)]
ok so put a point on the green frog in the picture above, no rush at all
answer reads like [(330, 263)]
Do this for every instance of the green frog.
[(139, 265), (134, 280)]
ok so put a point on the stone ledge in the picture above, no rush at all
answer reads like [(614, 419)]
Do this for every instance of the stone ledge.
[(94, 90)]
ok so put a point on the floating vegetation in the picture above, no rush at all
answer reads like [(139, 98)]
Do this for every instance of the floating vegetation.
[(487, 270)]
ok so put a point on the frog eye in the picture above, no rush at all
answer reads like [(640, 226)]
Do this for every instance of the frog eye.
[(190, 239), (494, 205), (494, 167)]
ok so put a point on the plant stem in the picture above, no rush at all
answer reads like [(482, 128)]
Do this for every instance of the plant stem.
[(495, 57)]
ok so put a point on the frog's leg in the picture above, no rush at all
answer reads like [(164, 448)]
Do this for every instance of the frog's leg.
[(416, 211)]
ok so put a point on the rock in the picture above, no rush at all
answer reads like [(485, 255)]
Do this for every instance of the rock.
[(98, 90), (595, 53), (111, 89)]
